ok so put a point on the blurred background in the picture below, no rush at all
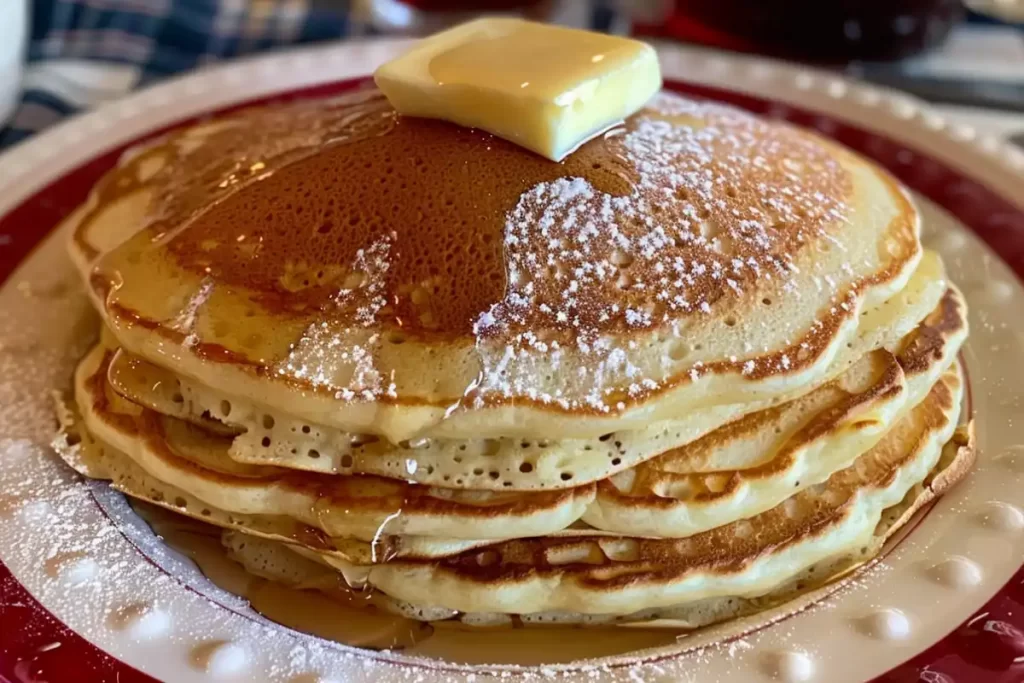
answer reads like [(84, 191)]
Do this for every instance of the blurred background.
[(58, 57)]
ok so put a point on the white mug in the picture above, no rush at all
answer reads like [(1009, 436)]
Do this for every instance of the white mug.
[(1004, 10), (13, 39)]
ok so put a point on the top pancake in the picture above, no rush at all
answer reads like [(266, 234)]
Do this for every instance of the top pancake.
[(407, 277)]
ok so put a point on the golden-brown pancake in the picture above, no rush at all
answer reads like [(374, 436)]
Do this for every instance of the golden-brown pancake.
[(409, 278), (592, 573), (502, 464), (700, 359), (735, 472), (302, 568)]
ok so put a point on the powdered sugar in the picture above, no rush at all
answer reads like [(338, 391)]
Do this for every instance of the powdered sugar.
[(342, 358), (708, 206), (708, 217)]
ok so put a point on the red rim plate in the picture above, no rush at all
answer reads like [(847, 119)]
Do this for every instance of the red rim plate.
[(35, 647)]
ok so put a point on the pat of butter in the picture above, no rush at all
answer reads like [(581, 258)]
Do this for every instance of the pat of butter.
[(546, 88)]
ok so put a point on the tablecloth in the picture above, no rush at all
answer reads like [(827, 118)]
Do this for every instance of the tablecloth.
[(83, 53)]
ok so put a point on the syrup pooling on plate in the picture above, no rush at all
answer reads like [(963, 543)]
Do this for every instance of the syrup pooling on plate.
[(404, 231), (294, 591), (350, 617)]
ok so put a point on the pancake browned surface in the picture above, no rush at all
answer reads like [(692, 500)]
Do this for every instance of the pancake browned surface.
[(362, 507), (758, 461), (277, 561)]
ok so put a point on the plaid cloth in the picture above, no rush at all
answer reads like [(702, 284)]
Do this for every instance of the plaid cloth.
[(83, 53)]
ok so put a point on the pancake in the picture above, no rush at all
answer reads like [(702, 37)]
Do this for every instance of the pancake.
[(864, 401), (92, 458), (699, 366), (606, 574), (408, 278), (759, 461), (823, 524), (825, 431), (359, 507), (272, 438), (300, 568)]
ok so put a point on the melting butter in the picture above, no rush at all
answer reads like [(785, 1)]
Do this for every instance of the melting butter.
[(546, 88)]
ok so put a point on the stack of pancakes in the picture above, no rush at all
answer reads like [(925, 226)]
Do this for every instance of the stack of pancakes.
[(700, 363)]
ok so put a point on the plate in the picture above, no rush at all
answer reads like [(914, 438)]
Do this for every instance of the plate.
[(88, 593)]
